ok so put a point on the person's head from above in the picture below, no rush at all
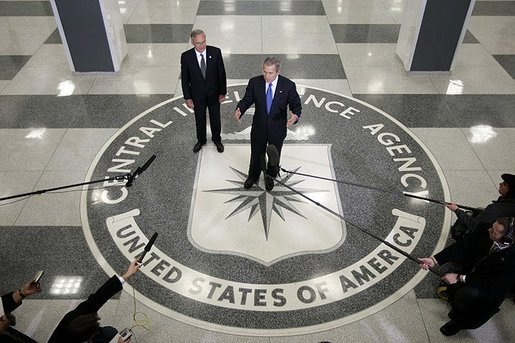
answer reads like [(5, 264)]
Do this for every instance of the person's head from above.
[(271, 68), (507, 186), (502, 230), (84, 327), (198, 39)]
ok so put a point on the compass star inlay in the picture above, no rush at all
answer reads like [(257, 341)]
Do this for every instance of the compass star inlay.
[(257, 199)]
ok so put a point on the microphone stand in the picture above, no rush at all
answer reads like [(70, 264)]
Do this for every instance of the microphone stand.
[(379, 189), (42, 191), (129, 177), (361, 229)]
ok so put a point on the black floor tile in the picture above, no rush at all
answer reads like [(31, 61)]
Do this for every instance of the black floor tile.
[(365, 33), (494, 8), (507, 62), (158, 33), (470, 110), (11, 65), (26, 250), (304, 66), (25, 8), (413, 110), (77, 111)]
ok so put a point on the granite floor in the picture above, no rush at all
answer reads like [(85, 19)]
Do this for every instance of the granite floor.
[(59, 128)]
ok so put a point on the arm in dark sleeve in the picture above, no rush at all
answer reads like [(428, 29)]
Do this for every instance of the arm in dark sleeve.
[(222, 78), (248, 98), (96, 300), (468, 221), (294, 101), (185, 77), (460, 250), (8, 303), (500, 279)]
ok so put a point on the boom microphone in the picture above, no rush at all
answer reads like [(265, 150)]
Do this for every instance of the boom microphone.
[(148, 246), (139, 170), (273, 155)]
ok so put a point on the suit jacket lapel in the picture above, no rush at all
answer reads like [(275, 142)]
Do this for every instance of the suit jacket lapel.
[(278, 91), (262, 93)]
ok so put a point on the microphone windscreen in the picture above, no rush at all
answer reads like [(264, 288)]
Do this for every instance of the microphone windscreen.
[(273, 155), (151, 242)]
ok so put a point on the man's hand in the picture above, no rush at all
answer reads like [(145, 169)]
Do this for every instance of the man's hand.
[(237, 115), (426, 263), (133, 268), (452, 206), (120, 340), (450, 278), (292, 120), (221, 98), (189, 103), (31, 288)]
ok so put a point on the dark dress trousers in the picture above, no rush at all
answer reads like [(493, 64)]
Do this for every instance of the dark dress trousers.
[(489, 276), (204, 92), (268, 127), (94, 302)]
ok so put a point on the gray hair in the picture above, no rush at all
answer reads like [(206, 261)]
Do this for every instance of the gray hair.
[(269, 61), (195, 33)]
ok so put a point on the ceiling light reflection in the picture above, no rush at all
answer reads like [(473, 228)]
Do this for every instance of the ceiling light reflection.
[(66, 285), (481, 133), (455, 87), (66, 88), (36, 134)]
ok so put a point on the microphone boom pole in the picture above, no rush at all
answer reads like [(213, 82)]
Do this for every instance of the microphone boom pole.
[(361, 229), (42, 191), (379, 189)]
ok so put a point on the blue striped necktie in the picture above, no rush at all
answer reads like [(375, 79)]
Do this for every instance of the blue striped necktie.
[(269, 98)]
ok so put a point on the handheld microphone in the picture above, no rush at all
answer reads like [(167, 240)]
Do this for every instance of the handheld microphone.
[(273, 159), (147, 247), (273, 155), (138, 171)]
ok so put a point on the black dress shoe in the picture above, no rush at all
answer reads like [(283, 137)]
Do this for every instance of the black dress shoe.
[(249, 183), (450, 328), (269, 183), (198, 146), (451, 315), (219, 147)]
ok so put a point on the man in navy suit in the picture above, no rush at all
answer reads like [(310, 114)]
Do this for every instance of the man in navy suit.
[(484, 274), (272, 94), (204, 85)]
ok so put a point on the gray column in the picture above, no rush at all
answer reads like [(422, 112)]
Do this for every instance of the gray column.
[(431, 33), (92, 34)]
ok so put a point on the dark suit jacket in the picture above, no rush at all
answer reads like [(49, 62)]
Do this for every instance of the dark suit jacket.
[(285, 96), (8, 303), (502, 207), (194, 86), (492, 274), (94, 302)]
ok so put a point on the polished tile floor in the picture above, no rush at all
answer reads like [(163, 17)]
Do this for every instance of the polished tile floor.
[(54, 126)]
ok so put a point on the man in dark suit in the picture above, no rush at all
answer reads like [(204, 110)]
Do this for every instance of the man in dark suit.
[(10, 302), (272, 94), (486, 274), (504, 206), (204, 85), (82, 324)]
